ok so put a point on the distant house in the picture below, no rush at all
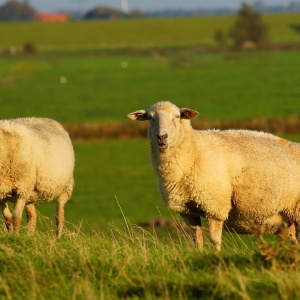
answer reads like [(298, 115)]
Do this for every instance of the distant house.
[(47, 17)]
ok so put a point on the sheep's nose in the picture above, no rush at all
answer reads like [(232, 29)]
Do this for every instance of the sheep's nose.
[(162, 137)]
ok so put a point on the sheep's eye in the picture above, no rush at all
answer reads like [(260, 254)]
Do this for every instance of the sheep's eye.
[(177, 116)]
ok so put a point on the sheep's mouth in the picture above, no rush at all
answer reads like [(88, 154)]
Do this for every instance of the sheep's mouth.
[(163, 146)]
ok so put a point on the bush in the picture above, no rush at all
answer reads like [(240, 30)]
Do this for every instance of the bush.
[(29, 48), (221, 38), (249, 28)]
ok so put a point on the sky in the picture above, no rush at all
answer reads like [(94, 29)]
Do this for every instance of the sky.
[(145, 5)]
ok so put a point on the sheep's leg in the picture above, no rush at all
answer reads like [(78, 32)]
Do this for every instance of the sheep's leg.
[(198, 237), (7, 216), (60, 213), (195, 223), (291, 233), (17, 214), (215, 230), (31, 218)]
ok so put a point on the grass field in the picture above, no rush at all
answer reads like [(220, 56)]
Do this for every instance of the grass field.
[(98, 88), (133, 264), (139, 33), (104, 254)]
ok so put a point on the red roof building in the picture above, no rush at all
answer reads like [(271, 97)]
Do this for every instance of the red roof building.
[(47, 17)]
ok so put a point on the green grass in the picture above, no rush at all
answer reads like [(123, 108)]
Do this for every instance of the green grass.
[(281, 31), (138, 33), (219, 86), (133, 264)]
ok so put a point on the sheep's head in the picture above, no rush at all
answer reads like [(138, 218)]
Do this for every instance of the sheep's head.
[(165, 123)]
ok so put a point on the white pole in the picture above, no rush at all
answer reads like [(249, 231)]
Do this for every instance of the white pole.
[(125, 6)]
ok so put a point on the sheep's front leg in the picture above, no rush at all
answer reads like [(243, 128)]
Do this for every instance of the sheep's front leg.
[(31, 218), (7, 216), (215, 231), (195, 223), (17, 214)]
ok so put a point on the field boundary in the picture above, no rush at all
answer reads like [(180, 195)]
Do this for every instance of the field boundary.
[(118, 130)]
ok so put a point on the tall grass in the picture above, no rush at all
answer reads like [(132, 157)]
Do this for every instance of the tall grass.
[(134, 264)]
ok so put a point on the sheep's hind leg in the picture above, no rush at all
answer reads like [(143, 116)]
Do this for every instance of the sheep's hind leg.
[(31, 218), (60, 213), (195, 223), (17, 214), (215, 230), (7, 216)]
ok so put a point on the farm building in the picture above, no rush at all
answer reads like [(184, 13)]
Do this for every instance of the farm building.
[(48, 17)]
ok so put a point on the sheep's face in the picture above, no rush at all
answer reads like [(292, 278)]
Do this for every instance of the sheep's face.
[(165, 118)]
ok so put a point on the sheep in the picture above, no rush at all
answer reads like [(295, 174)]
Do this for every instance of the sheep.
[(36, 164), (240, 180)]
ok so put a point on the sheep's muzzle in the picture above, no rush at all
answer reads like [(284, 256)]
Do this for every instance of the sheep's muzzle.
[(162, 142)]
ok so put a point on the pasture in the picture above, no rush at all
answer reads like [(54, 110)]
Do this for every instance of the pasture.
[(99, 89), (139, 34), (135, 264), (97, 72), (220, 86)]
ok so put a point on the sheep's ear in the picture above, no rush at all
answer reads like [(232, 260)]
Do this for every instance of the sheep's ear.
[(186, 113), (140, 115)]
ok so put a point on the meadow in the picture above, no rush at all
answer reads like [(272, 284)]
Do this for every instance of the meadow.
[(139, 34), (98, 89), (135, 264), (98, 72)]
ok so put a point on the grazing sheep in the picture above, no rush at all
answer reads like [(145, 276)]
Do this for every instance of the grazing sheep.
[(243, 180), (36, 164)]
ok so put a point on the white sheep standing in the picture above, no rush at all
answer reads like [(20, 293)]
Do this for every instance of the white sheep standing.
[(36, 164), (238, 179)]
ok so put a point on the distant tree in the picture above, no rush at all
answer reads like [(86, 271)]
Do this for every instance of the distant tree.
[(249, 28), (295, 27), (14, 10), (221, 38), (103, 12)]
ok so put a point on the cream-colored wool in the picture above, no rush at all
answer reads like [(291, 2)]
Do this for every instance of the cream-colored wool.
[(36, 164), (241, 180)]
